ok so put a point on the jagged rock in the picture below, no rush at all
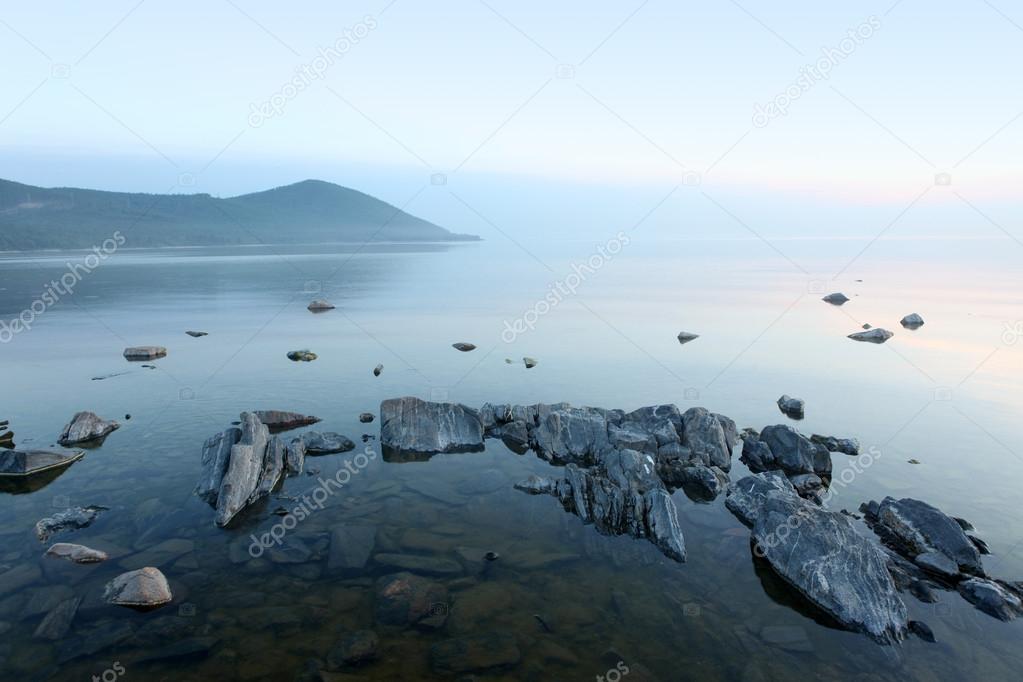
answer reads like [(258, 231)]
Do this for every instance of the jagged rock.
[(915, 528), (294, 457), (304, 355), (144, 352), (820, 554), (272, 470), (876, 335), (847, 446), (538, 485), (836, 299), (708, 438), (74, 519), (20, 463), (530, 363), (147, 587), (475, 653), (912, 321), (277, 420), (326, 443), (320, 305), (404, 599), (791, 407), (85, 427), (78, 554), (993, 598), (216, 455), (571, 435), (416, 426), (807, 485), (782, 447), (464, 347), (244, 469), (686, 337), (515, 435)]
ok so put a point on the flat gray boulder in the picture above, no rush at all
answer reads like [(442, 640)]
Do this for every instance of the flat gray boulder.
[(145, 588), (875, 335), (20, 463), (417, 426), (144, 352), (85, 427), (326, 443), (244, 469), (77, 554)]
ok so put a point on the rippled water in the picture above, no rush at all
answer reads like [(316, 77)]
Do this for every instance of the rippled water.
[(947, 395)]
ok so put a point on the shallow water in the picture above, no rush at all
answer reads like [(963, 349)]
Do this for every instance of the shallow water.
[(947, 395)]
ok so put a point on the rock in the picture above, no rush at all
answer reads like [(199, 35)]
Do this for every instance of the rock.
[(912, 321), (416, 426), (377, 370), (196, 335), (244, 470), (404, 599), (922, 630), (464, 347), (475, 653), (78, 554), (937, 563), (350, 547), (144, 352), (915, 528), (277, 420), (301, 355), (537, 485), (515, 435), (367, 417), (21, 463), (791, 407), (571, 435), (993, 598), (74, 519), (706, 437), (320, 305), (836, 299), (807, 485), (294, 457), (58, 621), (353, 649), (821, 555), (216, 455), (847, 446), (94, 640), (876, 335), (85, 427), (867, 325), (788, 450), (418, 564), (709, 482), (326, 443), (530, 363), (686, 337), (147, 587)]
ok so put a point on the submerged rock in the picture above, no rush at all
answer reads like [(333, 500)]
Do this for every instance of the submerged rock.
[(464, 347), (353, 649), (404, 599), (73, 519), (85, 427), (78, 554), (417, 426), (686, 337), (144, 588), (144, 352), (278, 420), (475, 653), (791, 407), (326, 443), (820, 554), (912, 321), (56, 624), (837, 298), (876, 335)]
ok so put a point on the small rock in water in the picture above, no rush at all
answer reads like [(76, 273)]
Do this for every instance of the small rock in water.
[(377, 370), (792, 407), (366, 417), (912, 321), (836, 298), (127, 417), (196, 335), (686, 337), (529, 362), (78, 554), (145, 588), (508, 361), (867, 325), (876, 335), (354, 649), (914, 461), (85, 427), (279, 420), (326, 443), (144, 352), (464, 347), (301, 355), (75, 518), (320, 305)]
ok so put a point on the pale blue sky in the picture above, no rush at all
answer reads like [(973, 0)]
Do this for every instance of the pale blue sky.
[(555, 99)]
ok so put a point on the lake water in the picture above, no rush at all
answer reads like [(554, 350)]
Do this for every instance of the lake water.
[(947, 395)]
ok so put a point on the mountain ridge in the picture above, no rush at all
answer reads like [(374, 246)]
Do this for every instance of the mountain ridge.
[(307, 212)]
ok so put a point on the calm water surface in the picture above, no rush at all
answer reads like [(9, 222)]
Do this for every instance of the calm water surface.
[(947, 395)]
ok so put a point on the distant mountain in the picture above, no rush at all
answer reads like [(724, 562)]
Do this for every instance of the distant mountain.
[(307, 212)]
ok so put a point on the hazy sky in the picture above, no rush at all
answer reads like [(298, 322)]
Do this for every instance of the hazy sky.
[(632, 96)]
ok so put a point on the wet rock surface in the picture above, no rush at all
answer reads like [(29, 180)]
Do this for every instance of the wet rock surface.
[(77, 554), (145, 588), (782, 448), (19, 463), (417, 426), (326, 443), (74, 518), (86, 427)]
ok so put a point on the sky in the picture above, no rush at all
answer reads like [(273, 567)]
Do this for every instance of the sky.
[(802, 117)]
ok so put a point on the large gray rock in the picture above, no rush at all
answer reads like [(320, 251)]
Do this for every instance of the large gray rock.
[(915, 528), (326, 443), (912, 321), (788, 450), (19, 463), (272, 471), (708, 438), (78, 554), (847, 446), (417, 426), (294, 457), (837, 298), (820, 554), (571, 435), (144, 588), (244, 470), (216, 455), (876, 335), (85, 427)]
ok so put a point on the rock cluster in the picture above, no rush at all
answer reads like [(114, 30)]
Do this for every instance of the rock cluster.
[(782, 448)]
